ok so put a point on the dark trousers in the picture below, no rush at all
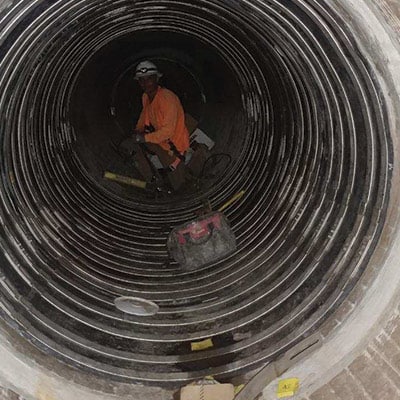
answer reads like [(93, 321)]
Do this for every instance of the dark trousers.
[(141, 156)]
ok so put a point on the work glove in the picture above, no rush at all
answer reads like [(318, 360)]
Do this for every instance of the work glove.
[(138, 138)]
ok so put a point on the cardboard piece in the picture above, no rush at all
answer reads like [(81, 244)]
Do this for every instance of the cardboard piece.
[(208, 392), (191, 123), (196, 134), (200, 137)]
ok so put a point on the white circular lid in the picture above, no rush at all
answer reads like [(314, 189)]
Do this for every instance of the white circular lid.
[(136, 306)]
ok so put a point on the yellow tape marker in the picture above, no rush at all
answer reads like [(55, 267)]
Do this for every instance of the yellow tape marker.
[(238, 389), (237, 196), (287, 387), (124, 179), (204, 344)]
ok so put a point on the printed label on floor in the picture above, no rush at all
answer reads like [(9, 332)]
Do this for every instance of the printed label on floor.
[(287, 387)]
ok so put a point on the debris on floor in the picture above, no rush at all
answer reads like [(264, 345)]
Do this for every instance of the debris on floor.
[(208, 389), (236, 197), (127, 180), (204, 344), (136, 306), (239, 336)]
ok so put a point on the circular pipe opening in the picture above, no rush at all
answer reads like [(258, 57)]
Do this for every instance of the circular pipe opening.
[(106, 102), (282, 89)]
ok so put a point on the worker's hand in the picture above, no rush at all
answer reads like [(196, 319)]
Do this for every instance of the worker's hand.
[(138, 138)]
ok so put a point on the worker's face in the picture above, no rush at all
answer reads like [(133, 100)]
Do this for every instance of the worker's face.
[(149, 84)]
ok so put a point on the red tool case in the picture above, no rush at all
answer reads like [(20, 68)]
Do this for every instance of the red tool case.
[(204, 240)]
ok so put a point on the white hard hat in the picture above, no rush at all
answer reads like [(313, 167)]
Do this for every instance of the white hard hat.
[(146, 68)]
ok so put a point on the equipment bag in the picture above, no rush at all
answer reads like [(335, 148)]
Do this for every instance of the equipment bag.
[(201, 241)]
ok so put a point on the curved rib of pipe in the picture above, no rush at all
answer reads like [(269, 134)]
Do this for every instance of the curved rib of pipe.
[(304, 124)]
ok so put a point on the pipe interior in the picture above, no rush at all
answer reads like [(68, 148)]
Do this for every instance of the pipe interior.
[(106, 101), (282, 89)]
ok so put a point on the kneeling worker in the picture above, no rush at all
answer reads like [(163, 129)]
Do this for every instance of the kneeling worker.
[(161, 128)]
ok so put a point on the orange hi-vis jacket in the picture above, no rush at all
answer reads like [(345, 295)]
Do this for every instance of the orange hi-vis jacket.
[(165, 113)]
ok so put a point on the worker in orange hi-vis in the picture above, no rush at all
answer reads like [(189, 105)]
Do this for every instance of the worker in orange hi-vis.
[(161, 128)]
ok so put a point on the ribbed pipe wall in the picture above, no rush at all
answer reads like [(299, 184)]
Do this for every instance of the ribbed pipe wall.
[(310, 148)]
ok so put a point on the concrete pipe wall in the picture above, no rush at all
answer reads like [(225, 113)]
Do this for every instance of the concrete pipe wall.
[(301, 100)]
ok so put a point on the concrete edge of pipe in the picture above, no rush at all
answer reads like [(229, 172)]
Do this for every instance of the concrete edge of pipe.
[(379, 304), (22, 371)]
